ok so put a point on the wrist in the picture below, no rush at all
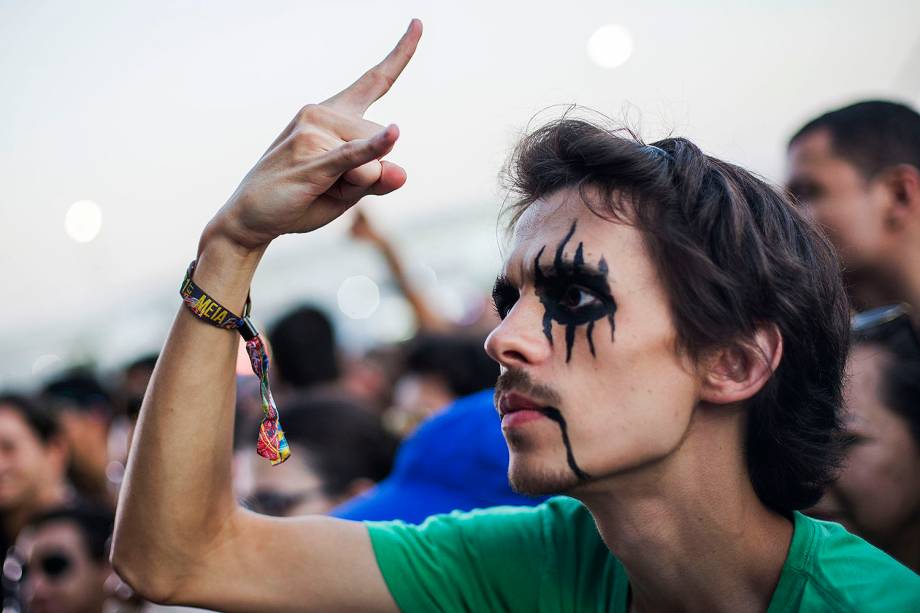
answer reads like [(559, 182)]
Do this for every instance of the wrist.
[(225, 269)]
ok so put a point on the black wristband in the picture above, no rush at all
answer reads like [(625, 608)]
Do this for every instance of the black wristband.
[(207, 309)]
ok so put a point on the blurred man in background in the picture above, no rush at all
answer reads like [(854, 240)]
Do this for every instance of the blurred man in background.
[(339, 450), (304, 351), (63, 560), (83, 408), (857, 170), (877, 494)]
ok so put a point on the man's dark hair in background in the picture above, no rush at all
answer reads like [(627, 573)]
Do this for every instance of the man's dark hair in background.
[(304, 349), (94, 521), (339, 449), (133, 384), (857, 171), (458, 360), (41, 420), (872, 135), (84, 409)]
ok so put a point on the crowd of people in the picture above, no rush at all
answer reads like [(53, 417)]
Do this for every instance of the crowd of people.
[(408, 431)]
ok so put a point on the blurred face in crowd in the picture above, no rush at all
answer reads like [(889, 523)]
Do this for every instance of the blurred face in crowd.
[(26, 462), (878, 492), (587, 340), (286, 490), (850, 207), (60, 576)]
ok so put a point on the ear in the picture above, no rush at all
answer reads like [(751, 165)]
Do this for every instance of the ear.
[(737, 372), (903, 184)]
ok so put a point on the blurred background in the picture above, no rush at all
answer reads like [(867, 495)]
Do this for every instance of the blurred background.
[(126, 125)]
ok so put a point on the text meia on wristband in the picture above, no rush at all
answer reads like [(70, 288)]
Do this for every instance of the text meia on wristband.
[(271, 444)]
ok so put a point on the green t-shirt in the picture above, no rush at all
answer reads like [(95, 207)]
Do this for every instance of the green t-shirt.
[(551, 558)]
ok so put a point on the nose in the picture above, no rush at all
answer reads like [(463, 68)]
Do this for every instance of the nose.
[(519, 341)]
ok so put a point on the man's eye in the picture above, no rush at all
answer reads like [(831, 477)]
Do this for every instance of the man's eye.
[(576, 297)]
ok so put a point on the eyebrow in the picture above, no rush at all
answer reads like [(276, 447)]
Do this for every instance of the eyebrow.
[(568, 266)]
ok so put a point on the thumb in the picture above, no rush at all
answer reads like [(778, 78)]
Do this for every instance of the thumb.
[(357, 152)]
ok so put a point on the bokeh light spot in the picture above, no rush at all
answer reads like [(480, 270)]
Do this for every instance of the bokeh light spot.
[(83, 221), (44, 362), (610, 46), (358, 297)]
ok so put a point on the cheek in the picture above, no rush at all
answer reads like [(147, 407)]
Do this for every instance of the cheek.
[(636, 402), (878, 484), (852, 225)]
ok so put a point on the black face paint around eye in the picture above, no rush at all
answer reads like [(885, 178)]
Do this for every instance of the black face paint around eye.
[(554, 414), (559, 287), (504, 295)]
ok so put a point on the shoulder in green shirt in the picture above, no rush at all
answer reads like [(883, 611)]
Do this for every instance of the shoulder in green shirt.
[(550, 558)]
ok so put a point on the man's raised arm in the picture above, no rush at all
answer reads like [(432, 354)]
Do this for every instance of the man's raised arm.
[(180, 535)]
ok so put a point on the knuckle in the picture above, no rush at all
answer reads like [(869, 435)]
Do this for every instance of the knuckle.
[(306, 141), (380, 79), (309, 114), (353, 154)]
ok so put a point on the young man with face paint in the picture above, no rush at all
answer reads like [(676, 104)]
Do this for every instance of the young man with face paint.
[(686, 434)]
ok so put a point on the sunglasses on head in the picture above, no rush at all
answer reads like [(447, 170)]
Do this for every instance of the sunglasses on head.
[(277, 504), (53, 565), (876, 324)]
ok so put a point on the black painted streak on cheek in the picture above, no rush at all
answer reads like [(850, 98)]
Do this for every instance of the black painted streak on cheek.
[(602, 266), (554, 414), (569, 341), (539, 280), (590, 336)]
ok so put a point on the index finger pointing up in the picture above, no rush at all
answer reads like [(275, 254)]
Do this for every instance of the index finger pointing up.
[(357, 97)]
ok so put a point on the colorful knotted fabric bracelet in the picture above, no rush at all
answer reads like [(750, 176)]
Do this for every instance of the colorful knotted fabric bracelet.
[(272, 444)]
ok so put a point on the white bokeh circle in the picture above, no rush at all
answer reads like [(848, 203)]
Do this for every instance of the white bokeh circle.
[(610, 46), (44, 363), (358, 297), (83, 221)]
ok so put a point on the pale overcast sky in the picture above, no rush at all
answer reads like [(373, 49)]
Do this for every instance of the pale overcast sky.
[(155, 110)]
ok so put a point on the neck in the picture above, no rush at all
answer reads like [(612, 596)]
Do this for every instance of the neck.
[(911, 281), (895, 280), (903, 545), (690, 530)]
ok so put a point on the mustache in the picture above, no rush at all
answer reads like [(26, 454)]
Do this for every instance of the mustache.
[(516, 380)]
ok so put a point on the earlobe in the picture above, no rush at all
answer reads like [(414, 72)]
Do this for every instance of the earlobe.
[(903, 183), (738, 372)]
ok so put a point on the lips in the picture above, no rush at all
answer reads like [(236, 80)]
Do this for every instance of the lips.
[(517, 409), (512, 402)]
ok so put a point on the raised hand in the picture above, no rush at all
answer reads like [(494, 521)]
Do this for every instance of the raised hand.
[(324, 161)]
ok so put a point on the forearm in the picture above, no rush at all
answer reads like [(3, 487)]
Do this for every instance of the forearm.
[(427, 320), (177, 493)]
